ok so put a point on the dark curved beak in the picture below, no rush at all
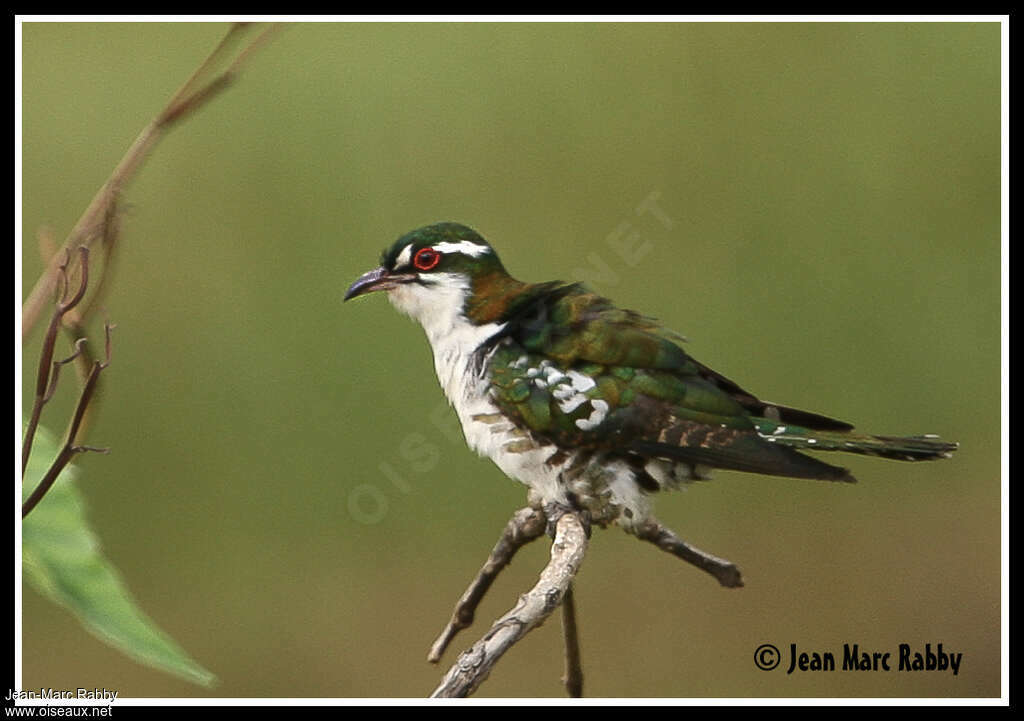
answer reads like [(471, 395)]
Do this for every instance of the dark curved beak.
[(377, 279)]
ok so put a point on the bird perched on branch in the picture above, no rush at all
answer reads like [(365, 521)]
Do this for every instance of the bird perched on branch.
[(591, 406)]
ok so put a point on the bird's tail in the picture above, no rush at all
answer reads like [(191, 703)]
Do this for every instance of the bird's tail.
[(909, 448)]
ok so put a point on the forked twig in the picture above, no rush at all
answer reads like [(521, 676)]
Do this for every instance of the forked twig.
[(46, 377), (74, 320), (69, 449), (525, 525), (553, 589), (474, 665)]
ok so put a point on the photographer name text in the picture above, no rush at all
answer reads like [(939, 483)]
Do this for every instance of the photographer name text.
[(52, 694), (854, 658)]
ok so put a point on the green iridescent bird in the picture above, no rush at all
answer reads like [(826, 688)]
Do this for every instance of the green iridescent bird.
[(591, 406)]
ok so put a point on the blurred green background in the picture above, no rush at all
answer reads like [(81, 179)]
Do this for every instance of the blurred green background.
[(833, 197)]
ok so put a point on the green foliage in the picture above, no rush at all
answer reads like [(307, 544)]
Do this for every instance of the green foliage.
[(64, 562)]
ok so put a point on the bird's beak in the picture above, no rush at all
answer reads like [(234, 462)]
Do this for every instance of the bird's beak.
[(377, 279)]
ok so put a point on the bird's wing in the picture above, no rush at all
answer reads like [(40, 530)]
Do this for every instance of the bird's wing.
[(570, 325), (578, 372)]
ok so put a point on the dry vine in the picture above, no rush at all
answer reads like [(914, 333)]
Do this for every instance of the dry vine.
[(46, 384), (99, 225)]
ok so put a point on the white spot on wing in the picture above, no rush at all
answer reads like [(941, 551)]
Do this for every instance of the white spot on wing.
[(598, 414), (571, 404), (581, 382), (553, 375), (562, 392)]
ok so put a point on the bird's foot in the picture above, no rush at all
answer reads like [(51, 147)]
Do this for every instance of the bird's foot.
[(555, 510)]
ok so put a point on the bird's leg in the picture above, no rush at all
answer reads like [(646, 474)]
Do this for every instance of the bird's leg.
[(525, 525), (666, 539)]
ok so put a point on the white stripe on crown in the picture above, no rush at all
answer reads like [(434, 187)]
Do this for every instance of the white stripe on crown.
[(463, 246)]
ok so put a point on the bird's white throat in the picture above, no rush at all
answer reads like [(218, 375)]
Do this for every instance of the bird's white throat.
[(440, 308)]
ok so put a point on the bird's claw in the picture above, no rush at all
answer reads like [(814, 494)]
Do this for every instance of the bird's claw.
[(555, 510)]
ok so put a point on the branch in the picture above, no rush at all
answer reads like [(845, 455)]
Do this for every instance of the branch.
[(189, 98), (68, 451), (666, 539), (474, 665), (49, 370), (525, 525), (573, 678), (74, 320)]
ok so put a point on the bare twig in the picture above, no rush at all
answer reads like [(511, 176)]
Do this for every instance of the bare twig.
[(474, 665), (189, 98), (573, 678), (46, 377), (525, 525), (70, 448), (75, 319), (666, 539), (57, 365)]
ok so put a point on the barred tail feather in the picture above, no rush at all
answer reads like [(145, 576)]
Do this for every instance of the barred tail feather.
[(909, 448)]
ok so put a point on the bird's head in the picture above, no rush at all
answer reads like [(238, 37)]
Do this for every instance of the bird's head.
[(438, 274)]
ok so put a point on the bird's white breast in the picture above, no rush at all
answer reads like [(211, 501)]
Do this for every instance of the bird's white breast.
[(454, 340)]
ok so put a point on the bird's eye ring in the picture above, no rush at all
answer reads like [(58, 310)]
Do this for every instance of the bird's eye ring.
[(426, 258)]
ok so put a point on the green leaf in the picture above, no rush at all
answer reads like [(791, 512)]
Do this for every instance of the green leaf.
[(63, 561)]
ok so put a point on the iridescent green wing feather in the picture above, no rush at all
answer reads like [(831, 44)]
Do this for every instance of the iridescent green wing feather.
[(570, 324), (580, 373)]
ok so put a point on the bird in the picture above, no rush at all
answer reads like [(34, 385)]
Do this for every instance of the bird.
[(593, 407)]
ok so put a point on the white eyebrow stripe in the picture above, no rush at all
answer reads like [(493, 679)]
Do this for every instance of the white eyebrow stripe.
[(463, 246), (403, 258)]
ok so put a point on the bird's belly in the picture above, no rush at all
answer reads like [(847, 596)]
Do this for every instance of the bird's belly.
[(491, 434), (604, 486)]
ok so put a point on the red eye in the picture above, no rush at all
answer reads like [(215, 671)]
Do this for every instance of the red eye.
[(426, 258)]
